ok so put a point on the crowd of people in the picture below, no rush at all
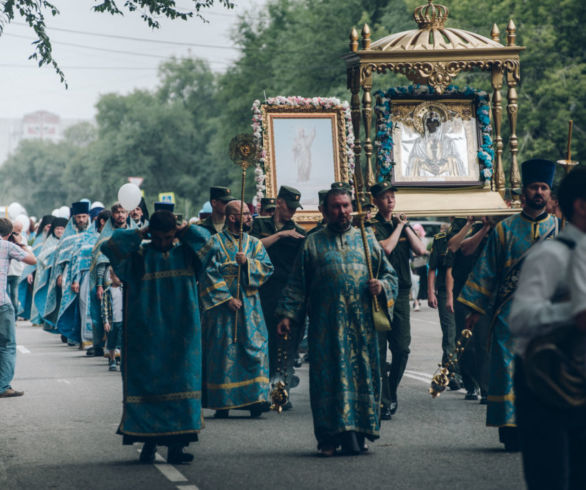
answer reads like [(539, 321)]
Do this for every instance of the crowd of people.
[(209, 315)]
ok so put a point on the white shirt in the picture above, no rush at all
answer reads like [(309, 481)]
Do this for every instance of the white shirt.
[(544, 276), (116, 304), (578, 277)]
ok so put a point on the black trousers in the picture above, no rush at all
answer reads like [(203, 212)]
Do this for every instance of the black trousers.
[(553, 440)]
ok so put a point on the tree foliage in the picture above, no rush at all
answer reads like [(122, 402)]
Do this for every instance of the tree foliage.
[(177, 136), (34, 12)]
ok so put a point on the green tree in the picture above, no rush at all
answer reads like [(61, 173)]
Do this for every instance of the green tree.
[(34, 13)]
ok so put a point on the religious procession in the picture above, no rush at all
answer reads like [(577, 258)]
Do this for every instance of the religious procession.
[(326, 263)]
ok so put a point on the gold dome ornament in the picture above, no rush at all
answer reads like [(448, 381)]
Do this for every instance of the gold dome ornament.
[(431, 16)]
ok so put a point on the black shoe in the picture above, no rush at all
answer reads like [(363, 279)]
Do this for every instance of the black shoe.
[(63, 339), (90, 352), (258, 408), (393, 407), (351, 445), (98, 352), (509, 436), (483, 400), (385, 413), (471, 395), (454, 385), (298, 362), (147, 455), (175, 455), (221, 414), (255, 413), (294, 381)]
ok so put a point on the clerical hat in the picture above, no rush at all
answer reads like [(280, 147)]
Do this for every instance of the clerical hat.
[(164, 206), (538, 170), (80, 207)]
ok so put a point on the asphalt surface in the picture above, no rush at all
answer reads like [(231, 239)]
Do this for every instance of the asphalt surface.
[(61, 434)]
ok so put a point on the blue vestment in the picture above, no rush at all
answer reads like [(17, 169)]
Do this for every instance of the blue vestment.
[(489, 291), (329, 281), (45, 262), (236, 373), (161, 346)]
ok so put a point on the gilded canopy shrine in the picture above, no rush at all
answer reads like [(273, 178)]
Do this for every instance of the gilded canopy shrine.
[(433, 55)]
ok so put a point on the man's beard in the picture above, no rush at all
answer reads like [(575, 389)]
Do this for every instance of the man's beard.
[(82, 226), (245, 226), (339, 226), (536, 203)]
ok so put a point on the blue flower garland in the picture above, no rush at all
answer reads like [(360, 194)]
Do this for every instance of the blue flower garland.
[(384, 131)]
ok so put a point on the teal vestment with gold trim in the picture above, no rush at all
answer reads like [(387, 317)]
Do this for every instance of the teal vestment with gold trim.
[(161, 351), (489, 291), (329, 282), (236, 374)]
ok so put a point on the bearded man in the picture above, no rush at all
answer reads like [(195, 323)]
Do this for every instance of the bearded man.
[(490, 287), (234, 332), (331, 284)]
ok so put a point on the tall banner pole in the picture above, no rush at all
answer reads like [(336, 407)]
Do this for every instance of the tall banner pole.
[(242, 150)]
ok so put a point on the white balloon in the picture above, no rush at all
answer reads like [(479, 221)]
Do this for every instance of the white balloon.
[(14, 209), (129, 196), (55, 213), (64, 212), (24, 221)]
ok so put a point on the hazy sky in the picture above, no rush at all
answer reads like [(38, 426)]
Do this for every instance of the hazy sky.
[(105, 54)]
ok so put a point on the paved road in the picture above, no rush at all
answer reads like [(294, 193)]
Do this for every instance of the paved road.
[(61, 434)]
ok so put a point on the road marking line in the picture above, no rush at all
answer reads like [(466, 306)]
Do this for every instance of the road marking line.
[(418, 373), (66, 381), (170, 472), (22, 349), (187, 487), (418, 378), (426, 321)]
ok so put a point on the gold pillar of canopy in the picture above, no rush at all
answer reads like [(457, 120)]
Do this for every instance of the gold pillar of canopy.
[(434, 55)]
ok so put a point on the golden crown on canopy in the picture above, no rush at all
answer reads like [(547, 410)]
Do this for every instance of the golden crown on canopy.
[(431, 16)]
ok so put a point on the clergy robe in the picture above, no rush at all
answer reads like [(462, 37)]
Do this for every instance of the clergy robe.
[(236, 374), (69, 321), (62, 257), (161, 346), (489, 291), (330, 281), (45, 262)]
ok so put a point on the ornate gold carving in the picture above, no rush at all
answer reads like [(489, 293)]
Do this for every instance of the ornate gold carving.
[(431, 16), (353, 40), (497, 109), (512, 109), (511, 33), (366, 37), (495, 33), (438, 74), (434, 55)]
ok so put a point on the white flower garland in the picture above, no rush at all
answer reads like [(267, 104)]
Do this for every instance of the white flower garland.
[(315, 102)]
